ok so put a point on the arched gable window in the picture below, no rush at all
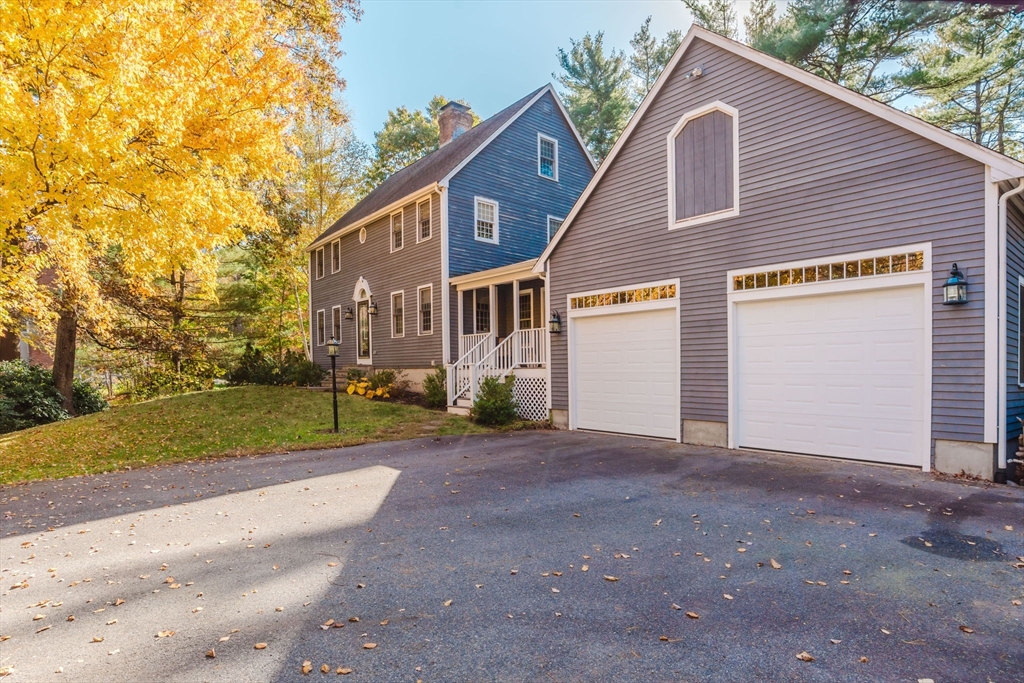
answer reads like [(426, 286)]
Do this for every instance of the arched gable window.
[(703, 166)]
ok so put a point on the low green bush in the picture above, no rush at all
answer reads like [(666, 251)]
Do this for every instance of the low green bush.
[(255, 367), (435, 388), (495, 405), (28, 397), (147, 382)]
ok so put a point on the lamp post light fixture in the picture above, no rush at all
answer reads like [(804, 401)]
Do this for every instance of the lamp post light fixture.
[(955, 289), (555, 324), (332, 351), (373, 308), (348, 313)]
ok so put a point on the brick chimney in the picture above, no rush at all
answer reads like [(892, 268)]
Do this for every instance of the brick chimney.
[(454, 120)]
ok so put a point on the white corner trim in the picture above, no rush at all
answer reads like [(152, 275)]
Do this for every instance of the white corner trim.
[(476, 216), (401, 230), (446, 313), (1007, 168), (419, 313), (419, 219), (391, 304), (734, 210), (540, 138), (1020, 329), (991, 420)]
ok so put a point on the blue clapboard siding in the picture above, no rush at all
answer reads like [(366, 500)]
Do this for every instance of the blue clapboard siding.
[(1014, 269), (506, 172)]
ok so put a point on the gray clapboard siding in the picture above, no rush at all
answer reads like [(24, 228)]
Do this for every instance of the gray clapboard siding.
[(1014, 269), (406, 270), (818, 178)]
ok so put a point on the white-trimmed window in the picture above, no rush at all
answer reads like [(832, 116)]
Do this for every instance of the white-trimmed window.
[(547, 157), (336, 323), (398, 314), (553, 225), (335, 256), (319, 263), (362, 235), (424, 226), (321, 324), (396, 231), (425, 309), (703, 166), (485, 217), (526, 309)]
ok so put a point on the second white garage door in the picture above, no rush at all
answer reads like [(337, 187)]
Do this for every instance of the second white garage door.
[(840, 375), (625, 373)]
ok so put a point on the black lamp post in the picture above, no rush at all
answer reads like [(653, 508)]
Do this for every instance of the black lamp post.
[(332, 351)]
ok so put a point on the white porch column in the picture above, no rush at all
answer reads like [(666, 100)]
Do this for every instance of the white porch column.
[(515, 304), (493, 292)]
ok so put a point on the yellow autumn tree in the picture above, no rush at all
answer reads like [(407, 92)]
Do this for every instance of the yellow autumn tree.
[(150, 131)]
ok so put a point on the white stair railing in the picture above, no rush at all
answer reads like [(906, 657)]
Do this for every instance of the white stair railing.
[(522, 347), (459, 372)]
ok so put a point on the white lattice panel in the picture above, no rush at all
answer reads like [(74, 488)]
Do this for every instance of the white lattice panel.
[(532, 395)]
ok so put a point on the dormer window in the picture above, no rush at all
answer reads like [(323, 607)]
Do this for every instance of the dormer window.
[(547, 157), (396, 231), (703, 166)]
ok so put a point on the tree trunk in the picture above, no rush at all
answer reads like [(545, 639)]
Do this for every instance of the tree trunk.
[(64, 356)]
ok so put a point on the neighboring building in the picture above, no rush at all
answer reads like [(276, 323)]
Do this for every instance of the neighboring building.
[(18, 345), (434, 266), (760, 263)]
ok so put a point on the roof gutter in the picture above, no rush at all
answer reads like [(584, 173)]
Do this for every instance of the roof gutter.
[(379, 213), (1004, 428)]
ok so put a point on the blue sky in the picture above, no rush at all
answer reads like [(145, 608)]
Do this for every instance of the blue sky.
[(487, 52)]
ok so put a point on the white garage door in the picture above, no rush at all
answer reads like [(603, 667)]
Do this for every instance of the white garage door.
[(625, 373), (839, 375)]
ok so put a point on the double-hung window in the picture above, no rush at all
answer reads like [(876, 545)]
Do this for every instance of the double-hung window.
[(320, 325), (553, 225), (335, 256), (424, 227), (336, 323), (398, 314), (526, 310), (486, 220), (482, 316), (319, 263), (547, 157), (426, 311), (396, 231)]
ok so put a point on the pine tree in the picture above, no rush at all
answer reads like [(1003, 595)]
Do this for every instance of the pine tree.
[(761, 20), (715, 15), (650, 57)]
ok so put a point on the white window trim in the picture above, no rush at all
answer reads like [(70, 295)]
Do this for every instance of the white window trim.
[(321, 338), (401, 293), (419, 312), (519, 323), (476, 214), (333, 244), (551, 235), (717, 105), (921, 278), (430, 216), (1020, 330), (336, 318), (571, 314), (319, 264), (541, 136), (401, 229), (362, 235)]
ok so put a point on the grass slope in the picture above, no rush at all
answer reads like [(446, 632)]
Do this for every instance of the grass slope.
[(237, 421)]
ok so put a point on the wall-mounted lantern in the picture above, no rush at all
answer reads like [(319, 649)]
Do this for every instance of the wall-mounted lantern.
[(348, 313), (955, 289), (373, 308), (555, 324)]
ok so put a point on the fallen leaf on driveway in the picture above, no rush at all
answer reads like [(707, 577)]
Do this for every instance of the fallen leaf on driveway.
[(834, 641), (384, 623), (97, 639), (211, 653), (165, 634), (259, 646), (805, 657), (741, 550), (1015, 603), (118, 602), (727, 596), (863, 660), (610, 578), (307, 666), (621, 556), (585, 568), (965, 629), (343, 671), (447, 603), (45, 628), (693, 615), (1008, 527), (675, 606), (38, 617), (324, 669), (658, 523), (327, 624), (775, 564), (369, 646), (555, 590), (223, 639), (354, 620)]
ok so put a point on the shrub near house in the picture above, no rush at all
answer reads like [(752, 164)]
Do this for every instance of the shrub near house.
[(28, 397)]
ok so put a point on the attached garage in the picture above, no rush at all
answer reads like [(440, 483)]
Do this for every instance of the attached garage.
[(624, 368), (844, 374)]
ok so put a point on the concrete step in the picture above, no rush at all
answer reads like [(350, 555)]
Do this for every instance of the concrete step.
[(458, 410)]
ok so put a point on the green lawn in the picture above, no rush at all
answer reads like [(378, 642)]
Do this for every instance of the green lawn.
[(237, 421)]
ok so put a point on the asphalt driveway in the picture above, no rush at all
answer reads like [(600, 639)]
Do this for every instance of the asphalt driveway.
[(541, 556)]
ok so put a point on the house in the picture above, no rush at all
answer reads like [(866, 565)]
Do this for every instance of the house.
[(434, 267), (761, 262)]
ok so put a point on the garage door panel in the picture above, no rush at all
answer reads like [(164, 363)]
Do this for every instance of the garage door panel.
[(625, 372), (840, 375)]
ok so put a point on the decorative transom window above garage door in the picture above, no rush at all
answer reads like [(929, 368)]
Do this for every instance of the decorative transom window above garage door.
[(624, 296), (903, 262)]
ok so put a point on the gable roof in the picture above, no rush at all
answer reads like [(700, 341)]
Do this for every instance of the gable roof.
[(436, 168), (1003, 167)]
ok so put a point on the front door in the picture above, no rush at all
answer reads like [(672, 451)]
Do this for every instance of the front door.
[(363, 336)]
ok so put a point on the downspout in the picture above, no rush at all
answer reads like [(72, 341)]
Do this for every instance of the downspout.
[(1001, 270)]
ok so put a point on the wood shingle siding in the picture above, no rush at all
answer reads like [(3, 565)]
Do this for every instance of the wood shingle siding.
[(415, 265), (818, 177)]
